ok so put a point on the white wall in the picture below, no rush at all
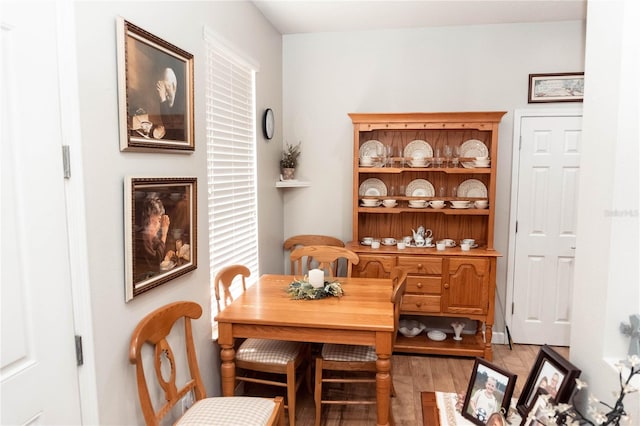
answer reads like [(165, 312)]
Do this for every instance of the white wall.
[(606, 287), (473, 68), (180, 23)]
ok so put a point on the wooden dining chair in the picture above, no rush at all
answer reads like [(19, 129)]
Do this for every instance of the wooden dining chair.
[(296, 241), (327, 257), (153, 330), (271, 357), (354, 360)]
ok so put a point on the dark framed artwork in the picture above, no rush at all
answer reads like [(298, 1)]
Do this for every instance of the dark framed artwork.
[(551, 372), (490, 390), (160, 231), (562, 87), (155, 92), (538, 410)]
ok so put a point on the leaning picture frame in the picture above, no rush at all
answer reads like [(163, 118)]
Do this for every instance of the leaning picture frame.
[(155, 92), (538, 411), (489, 391), (562, 87), (551, 372), (160, 231)]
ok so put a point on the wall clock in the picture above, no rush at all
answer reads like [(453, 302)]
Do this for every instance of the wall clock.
[(268, 123)]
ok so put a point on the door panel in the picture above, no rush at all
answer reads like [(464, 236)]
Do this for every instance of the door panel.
[(549, 171)]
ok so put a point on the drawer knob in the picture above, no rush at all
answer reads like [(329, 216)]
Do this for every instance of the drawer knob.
[(446, 285), (419, 265), (419, 304), (419, 285)]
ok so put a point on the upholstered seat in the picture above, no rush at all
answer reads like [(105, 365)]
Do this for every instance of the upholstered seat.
[(276, 352), (233, 410), (348, 353)]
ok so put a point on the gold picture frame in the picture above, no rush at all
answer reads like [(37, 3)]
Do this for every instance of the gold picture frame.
[(155, 92)]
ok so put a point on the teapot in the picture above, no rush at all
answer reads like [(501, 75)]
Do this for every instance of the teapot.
[(422, 233)]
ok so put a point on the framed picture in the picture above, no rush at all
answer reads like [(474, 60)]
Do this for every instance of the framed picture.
[(563, 87), (490, 390), (155, 92), (550, 372), (538, 411), (160, 231)]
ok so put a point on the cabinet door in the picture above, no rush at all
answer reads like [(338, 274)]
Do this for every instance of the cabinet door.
[(374, 266), (466, 286)]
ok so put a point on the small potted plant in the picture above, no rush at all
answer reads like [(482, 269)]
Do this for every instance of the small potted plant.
[(289, 161)]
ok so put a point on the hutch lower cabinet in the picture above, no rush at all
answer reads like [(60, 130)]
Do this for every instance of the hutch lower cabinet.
[(435, 171)]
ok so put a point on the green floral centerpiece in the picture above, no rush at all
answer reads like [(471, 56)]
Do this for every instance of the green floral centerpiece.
[(302, 289)]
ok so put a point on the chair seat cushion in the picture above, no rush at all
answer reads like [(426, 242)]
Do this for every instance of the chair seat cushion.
[(268, 351), (333, 352), (228, 411)]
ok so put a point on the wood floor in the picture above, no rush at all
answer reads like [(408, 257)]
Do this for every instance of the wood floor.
[(415, 374)]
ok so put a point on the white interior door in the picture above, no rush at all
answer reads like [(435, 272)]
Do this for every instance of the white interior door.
[(38, 373), (548, 175)]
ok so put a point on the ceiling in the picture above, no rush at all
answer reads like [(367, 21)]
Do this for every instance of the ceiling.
[(310, 16)]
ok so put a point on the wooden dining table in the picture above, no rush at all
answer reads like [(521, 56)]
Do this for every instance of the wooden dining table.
[(362, 316)]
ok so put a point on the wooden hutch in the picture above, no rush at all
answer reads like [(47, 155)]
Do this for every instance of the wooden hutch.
[(449, 283)]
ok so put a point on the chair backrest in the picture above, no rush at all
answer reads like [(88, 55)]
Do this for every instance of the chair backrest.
[(224, 278), (153, 330), (310, 240), (326, 256), (399, 279)]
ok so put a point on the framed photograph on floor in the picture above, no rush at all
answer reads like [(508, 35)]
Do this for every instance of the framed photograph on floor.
[(538, 410), (160, 231), (155, 92), (551, 372), (562, 87), (489, 392)]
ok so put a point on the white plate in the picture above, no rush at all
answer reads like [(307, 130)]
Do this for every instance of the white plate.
[(473, 148), (370, 148), (436, 335), (418, 148), (420, 188), (373, 186), (418, 207), (472, 188), (425, 164)]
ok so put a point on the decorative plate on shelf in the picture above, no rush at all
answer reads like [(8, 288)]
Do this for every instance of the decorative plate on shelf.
[(370, 148), (420, 188), (373, 186), (473, 148), (472, 188), (418, 148)]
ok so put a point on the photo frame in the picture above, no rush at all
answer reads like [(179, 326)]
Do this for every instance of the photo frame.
[(490, 390), (160, 231), (155, 92), (562, 87), (551, 372)]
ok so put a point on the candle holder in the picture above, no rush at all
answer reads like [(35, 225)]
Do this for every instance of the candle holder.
[(457, 328)]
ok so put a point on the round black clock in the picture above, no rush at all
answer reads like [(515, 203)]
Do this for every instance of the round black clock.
[(268, 123)]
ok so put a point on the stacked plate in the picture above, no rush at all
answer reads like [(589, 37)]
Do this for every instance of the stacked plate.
[(419, 149), (373, 187), (420, 188), (472, 148), (472, 188)]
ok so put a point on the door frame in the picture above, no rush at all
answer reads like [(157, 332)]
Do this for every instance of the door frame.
[(518, 115)]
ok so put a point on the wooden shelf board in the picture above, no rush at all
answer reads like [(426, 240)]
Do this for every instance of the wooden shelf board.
[(294, 183), (470, 345)]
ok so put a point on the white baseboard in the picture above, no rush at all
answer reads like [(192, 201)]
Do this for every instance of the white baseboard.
[(499, 338)]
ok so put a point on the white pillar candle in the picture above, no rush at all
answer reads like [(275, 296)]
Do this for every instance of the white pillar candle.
[(316, 278)]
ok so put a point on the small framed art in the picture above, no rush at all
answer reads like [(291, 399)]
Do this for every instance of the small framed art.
[(563, 87), (538, 411), (160, 231), (155, 92), (552, 373), (490, 390)]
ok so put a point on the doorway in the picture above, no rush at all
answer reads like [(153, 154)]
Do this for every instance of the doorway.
[(545, 176)]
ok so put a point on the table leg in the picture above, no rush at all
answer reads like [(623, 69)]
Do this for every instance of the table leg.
[(227, 356), (383, 388)]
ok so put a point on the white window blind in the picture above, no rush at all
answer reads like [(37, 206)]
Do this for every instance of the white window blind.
[(231, 165)]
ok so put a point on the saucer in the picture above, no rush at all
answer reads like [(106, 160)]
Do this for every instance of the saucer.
[(366, 243), (391, 244), (436, 335), (425, 246)]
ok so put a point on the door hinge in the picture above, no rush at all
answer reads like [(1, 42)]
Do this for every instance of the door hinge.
[(520, 143), (79, 358), (516, 226), (66, 161), (512, 304)]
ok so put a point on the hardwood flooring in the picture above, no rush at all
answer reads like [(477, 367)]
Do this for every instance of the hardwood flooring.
[(415, 374)]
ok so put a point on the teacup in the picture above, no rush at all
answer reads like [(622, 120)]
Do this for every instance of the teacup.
[(428, 241), (481, 163), (420, 243), (401, 245), (448, 242), (370, 202), (389, 203), (482, 158), (440, 246), (389, 241), (418, 203), (407, 240), (437, 204), (375, 245), (418, 162), (481, 204), (367, 240), (465, 247), (469, 241), (366, 161), (460, 204)]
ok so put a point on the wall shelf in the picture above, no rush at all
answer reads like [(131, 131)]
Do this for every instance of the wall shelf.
[(293, 183)]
